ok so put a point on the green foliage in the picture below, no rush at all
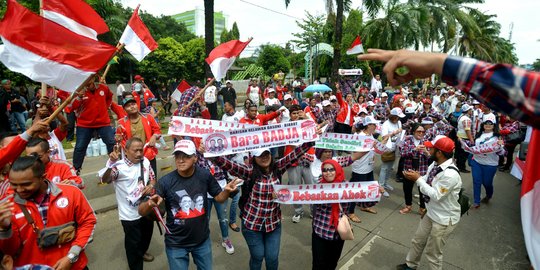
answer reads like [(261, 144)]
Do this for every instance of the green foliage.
[(194, 59), (235, 33), (536, 65), (272, 59), (312, 31), (224, 37), (352, 27)]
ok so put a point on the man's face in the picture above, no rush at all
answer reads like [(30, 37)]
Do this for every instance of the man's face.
[(7, 85), (185, 204), (131, 108), (220, 142), (199, 202), (349, 98), (294, 115), (228, 107), (313, 102), (327, 108), (377, 77), (288, 102), (37, 150), (25, 184), (184, 162), (252, 112), (135, 152)]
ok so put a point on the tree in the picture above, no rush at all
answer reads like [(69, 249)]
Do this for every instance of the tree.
[(352, 28), (312, 31), (225, 36), (194, 57), (208, 32), (337, 40), (536, 65), (167, 61), (272, 59), (235, 33)]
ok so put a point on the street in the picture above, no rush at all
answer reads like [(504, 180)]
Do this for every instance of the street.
[(487, 238)]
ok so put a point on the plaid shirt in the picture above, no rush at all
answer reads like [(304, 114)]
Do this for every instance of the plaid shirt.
[(42, 203), (513, 91), (511, 127), (216, 171), (321, 220), (329, 116), (408, 153), (381, 110), (439, 128), (186, 97), (261, 212)]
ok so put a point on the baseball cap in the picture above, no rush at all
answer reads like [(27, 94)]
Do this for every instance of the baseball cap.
[(442, 143), (370, 120), (410, 109), (185, 146), (128, 100), (228, 81), (259, 152), (397, 112), (138, 77), (490, 118), (384, 95), (332, 97), (465, 107), (427, 121), (271, 90), (475, 102), (371, 103), (287, 96), (326, 103), (362, 110)]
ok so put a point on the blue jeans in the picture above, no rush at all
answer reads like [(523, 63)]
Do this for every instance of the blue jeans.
[(298, 96), (84, 136), (386, 168), (179, 257), (234, 206), (263, 245), (220, 209), (17, 118), (482, 176)]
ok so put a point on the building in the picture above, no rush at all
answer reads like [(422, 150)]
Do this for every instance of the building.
[(194, 21)]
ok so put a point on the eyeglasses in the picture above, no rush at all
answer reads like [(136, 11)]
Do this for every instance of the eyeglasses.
[(328, 170)]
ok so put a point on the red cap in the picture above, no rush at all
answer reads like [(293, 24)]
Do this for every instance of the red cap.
[(442, 143), (426, 101), (138, 77)]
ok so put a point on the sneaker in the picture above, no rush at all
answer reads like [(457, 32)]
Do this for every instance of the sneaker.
[(389, 187), (386, 194), (296, 218), (403, 267), (228, 246)]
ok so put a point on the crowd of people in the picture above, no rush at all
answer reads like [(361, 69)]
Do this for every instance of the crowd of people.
[(425, 127)]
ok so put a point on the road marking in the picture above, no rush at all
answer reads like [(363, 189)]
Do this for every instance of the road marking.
[(364, 250)]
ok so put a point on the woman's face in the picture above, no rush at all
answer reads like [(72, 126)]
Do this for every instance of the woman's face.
[(326, 154), (264, 160), (361, 99), (329, 173), (371, 128), (419, 133), (488, 127)]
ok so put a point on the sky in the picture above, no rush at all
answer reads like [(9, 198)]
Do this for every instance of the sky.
[(255, 20)]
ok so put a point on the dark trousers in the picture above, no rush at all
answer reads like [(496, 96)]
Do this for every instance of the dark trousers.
[(167, 107), (510, 148), (137, 236), (212, 108), (325, 253), (84, 136), (342, 128), (153, 164), (461, 156), (356, 177), (407, 191), (71, 125)]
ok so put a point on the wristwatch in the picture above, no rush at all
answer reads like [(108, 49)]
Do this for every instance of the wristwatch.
[(72, 257)]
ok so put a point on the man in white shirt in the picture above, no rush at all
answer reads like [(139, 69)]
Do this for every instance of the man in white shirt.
[(376, 84), (120, 89), (210, 98), (440, 186), (437, 97)]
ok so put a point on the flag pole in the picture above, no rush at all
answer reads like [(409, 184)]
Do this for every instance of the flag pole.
[(119, 47), (185, 107), (109, 64)]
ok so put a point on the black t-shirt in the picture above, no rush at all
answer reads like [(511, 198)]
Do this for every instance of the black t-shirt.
[(185, 202), (16, 106), (229, 94)]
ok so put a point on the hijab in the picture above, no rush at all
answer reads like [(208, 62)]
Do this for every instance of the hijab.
[(340, 177)]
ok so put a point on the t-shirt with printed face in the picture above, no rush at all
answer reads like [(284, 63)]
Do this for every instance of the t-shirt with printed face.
[(186, 206)]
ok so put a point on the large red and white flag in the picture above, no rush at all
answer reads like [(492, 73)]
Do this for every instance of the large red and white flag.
[(48, 52), (75, 15), (356, 47), (530, 200), (222, 57), (137, 38)]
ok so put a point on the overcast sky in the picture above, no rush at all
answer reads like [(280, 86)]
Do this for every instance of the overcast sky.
[(270, 27)]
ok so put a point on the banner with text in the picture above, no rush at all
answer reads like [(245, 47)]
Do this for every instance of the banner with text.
[(196, 127), (350, 142), (269, 136), (328, 193)]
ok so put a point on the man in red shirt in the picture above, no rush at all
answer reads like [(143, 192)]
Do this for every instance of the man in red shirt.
[(56, 171), (141, 90), (253, 117), (91, 107)]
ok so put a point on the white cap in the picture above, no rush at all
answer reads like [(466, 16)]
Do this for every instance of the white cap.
[(259, 152), (287, 96), (397, 112), (362, 110), (475, 102), (370, 120), (185, 146), (271, 90), (370, 103), (489, 117), (326, 103), (228, 81), (384, 94), (410, 109), (465, 107), (332, 97), (427, 121)]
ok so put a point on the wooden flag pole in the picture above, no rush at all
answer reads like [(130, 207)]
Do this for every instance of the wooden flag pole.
[(184, 108), (72, 96)]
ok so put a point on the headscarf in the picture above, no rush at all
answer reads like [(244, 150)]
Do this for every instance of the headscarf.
[(340, 177)]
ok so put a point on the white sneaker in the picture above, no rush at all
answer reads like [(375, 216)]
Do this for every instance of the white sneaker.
[(386, 194), (389, 187), (296, 218), (228, 246)]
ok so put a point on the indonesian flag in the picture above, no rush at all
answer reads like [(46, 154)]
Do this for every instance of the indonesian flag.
[(48, 52), (183, 86), (530, 200), (75, 15), (137, 38), (356, 47), (222, 57)]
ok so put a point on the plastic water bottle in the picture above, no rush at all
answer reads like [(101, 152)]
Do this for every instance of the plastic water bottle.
[(102, 147), (95, 148), (89, 150)]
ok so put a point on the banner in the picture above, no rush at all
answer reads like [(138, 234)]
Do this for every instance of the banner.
[(249, 139), (196, 127), (328, 193), (350, 72), (485, 148), (350, 142)]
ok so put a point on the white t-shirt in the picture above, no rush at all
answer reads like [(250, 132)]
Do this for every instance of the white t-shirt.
[(57, 150), (366, 163), (271, 101), (210, 94), (254, 93), (127, 186), (491, 159), (461, 132), (387, 128), (120, 89), (376, 85), (235, 118)]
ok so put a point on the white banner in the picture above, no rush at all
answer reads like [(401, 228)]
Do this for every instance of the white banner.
[(249, 139), (196, 127), (328, 193), (346, 72), (350, 142)]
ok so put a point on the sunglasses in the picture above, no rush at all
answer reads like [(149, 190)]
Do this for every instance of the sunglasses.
[(328, 170)]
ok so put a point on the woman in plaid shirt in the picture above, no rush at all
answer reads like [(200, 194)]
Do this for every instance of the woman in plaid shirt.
[(415, 157), (261, 216)]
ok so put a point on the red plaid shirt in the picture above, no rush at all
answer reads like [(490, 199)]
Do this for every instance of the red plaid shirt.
[(261, 212), (408, 153), (42, 203), (321, 220)]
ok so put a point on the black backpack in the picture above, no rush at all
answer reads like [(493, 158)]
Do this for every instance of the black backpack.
[(463, 200)]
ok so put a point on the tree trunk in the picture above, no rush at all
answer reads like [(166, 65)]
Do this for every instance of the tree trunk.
[(208, 33), (337, 40)]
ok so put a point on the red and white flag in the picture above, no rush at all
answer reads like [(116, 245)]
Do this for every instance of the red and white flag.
[(48, 52), (75, 15), (222, 57), (530, 200), (137, 38), (356, 47)]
